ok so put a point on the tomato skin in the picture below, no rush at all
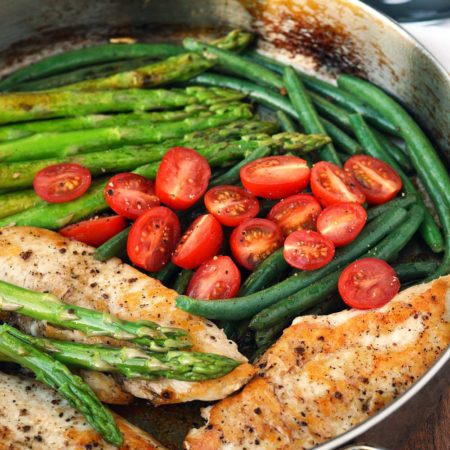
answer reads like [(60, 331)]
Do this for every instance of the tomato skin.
[(231, 205), (130, 195), (182, 177), (308, 250), (216, 278), (330, 185), (297, 212), (95, 232), (254, 240), (342, 222), (61, 183), (378, 181), (153, 238), (368, 283), (275, 177), (200, 242)]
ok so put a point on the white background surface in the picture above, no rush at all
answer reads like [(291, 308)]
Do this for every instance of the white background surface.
[(435, 36)]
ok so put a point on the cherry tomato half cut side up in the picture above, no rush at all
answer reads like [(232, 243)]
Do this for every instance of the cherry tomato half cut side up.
[(182, 177), (368, 283), (95, 232), (153, 238), (254, 240), (200, 242), (297, 212), (342, 222), (231, 205), (130, 195), (275, 176), (330, 185), (308, 250), (378, 181), (216, 278), (62, 182)]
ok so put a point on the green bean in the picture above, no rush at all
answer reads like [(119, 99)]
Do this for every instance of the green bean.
[(429, 230), (396, 152), (315, 293), (265, 206), (337, 115), (82, 57), (166, 274), (235, 63), (342, 140), (265, 274), (341, 118), (248, 305), (307, 114), (400, 202), (286, 122), (116, 246), (182, 281), (424, 158), (415, 270), (341, 97), (232, 175)]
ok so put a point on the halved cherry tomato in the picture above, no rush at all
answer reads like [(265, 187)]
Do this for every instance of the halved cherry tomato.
[(200, 242), (308, 250), (95, 232), (254, 240), (275, 176), (153, 238), (330, 185), (130, 195), (342, 222), (368, 283), (62, 182), (297, 212), (377, 180), (216, 278), (182, 177), (231, 205)]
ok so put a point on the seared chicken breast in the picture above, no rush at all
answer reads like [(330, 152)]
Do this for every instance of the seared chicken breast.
[(35, 417), (42, 260), (329, 373)]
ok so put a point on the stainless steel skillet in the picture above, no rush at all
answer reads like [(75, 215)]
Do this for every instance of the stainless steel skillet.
[(325, 36)]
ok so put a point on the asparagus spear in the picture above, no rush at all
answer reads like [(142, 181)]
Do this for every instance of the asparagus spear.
[(50, 145), (20, 175), (83, 57), (20, 130), (57, 376), (95, 203), (81, 74), (133, 362), (15, 202), (19, 107), (42, 306), (176, 68), (219, 154)]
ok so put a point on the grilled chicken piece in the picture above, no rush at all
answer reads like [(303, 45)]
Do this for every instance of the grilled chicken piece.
[(35, 417), (329, 373), (42, 260)]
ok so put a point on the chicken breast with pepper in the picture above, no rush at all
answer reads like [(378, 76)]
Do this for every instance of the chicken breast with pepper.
[(329, 373), (35, 417), (43, 260)]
